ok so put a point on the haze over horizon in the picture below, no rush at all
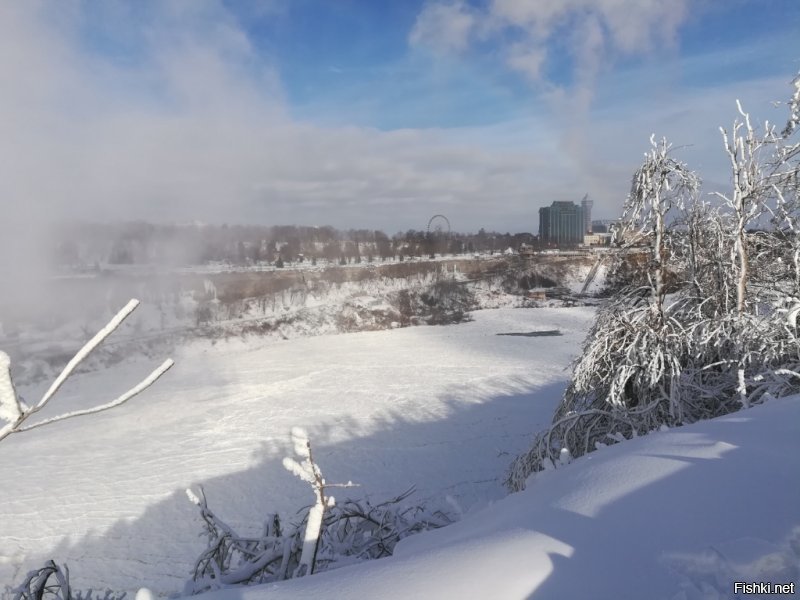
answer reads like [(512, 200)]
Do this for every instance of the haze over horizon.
[(360, 114)]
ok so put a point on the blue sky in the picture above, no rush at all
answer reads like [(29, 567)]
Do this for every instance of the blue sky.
[(351, 60), (370, 113)]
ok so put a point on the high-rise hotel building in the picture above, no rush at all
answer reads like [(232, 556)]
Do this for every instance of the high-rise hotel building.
[(562, 223)]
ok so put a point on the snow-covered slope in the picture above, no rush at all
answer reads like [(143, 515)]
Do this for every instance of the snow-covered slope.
[(442, 408), (679, 515)]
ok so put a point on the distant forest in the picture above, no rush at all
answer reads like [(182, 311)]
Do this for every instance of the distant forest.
[(87, 245)]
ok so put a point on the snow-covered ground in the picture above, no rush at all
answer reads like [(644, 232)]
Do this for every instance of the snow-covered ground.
[(442, 408), (678, 515)]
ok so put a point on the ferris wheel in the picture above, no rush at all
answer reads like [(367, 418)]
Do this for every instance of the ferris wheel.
[(437, 233), (439, 224)]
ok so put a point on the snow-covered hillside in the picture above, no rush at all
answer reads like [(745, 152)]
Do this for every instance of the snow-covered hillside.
[(679, 515), (442, 408), (283, 304)]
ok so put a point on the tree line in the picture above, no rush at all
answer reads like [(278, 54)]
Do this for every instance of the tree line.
[(87, 244)]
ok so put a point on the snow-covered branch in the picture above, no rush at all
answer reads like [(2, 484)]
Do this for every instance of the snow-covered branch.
[(50, 580), (14, 412), (81, 355), (135, 390), (309, 471), (793, 122), (11, 407)]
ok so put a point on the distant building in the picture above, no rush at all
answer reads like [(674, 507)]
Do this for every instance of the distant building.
[(586, 205), (603, 225), (597, 239), (561, 223)]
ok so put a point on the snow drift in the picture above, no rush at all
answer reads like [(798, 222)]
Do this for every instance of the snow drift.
[(679, 514)]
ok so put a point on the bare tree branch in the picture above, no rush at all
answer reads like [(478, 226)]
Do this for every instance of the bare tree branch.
[(137, 389), (81, 355), (15, 413)]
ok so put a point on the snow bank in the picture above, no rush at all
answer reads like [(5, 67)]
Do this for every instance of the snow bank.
[(679, 515)]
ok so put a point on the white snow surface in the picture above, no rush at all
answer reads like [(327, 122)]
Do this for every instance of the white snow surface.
[(680, 514), (442, 408)]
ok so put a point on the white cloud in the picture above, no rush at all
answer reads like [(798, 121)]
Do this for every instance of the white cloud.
[(527, 59), (629, 25), (444, 26), (192, 127), (597, 30)]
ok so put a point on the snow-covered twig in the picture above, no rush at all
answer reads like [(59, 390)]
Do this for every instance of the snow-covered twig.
[(137, 389), (81, 355), (15, 412), (309, 471), (11, 407)]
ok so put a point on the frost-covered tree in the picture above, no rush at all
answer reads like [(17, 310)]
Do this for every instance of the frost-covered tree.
[(627, 380), (631, 357), (786, 217), (698, 249), (661, 184), (764, 173), (14, 412), (724, 335), (763, 166)]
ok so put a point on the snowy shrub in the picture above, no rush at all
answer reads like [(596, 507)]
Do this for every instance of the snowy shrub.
[(231, 559), (51, 582), (328, 535), (708, 324), (358, 530), (203, 313), (350, 532), (447, 301), (404, 307), (442, 302)]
